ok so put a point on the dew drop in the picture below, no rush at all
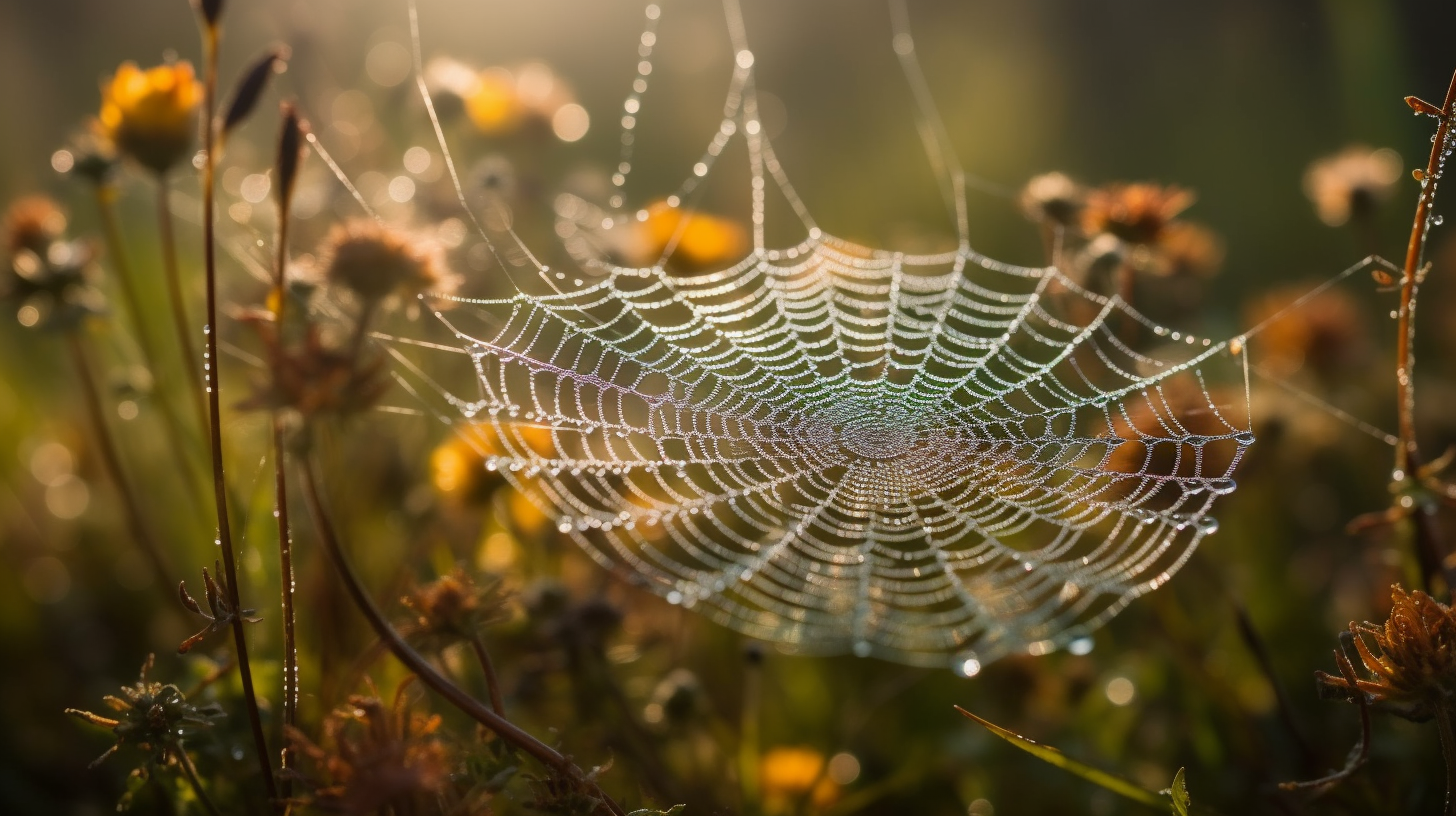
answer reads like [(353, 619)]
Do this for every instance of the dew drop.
[(862, 648)]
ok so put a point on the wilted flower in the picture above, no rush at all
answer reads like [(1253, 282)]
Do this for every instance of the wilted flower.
[(373, 758), (1411, 670), (220, 614), (154, 718), (47, 278), (1053, 198), (1186, 249), (33, 223), (788, 774), (1351, 182), (375, 262), (1134, 213), (456, 607), (151, 115)]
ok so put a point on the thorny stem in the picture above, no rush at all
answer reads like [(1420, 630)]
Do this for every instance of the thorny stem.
[(1448, 752), (428, 674), (219, 480), (112, 460), (1407, 453), (492, 684), (190, 771), (116, 251), (167, 228)]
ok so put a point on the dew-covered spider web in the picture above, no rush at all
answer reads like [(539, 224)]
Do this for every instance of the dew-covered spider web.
[(938, 459)]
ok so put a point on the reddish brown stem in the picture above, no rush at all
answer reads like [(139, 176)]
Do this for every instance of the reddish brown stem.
[(1407, 453), (492, 684), (415, 662)]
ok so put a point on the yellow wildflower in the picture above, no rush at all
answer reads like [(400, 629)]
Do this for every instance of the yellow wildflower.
[(702, 240), (788, 775), (151, 115)]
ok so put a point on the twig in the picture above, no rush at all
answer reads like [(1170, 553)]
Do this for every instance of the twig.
[(1407, 453), (280, 504), (1448, 752), (111, 458), (415, 662), (214, 408)]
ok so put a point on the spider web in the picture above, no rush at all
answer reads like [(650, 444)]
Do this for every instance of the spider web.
[(938, 459)]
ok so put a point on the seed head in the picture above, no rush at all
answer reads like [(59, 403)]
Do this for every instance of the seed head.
[(1054, 199), (151, 115), (1134, 213), (375, 262), (455, 607), (1351, 183), (152, 717), (33, 223)]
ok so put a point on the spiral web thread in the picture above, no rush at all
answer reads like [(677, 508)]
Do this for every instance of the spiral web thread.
[(936, 459)]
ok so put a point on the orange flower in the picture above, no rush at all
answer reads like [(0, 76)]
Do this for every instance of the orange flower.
[(702, 240), (151, 115), (789, 774)]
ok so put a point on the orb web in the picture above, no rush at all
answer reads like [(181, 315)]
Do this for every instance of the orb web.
[(938, 459)]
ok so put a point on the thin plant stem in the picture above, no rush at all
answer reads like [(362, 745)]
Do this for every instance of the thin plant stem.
[(492, 685), (116, 251), (1448, 752), (750, 727), (1407, 453), (167, 229), (417, 663), (214, 407), (190, 771), (111, 458), (280, 503)]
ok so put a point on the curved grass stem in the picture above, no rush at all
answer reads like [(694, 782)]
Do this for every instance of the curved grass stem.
[(190, 771), (417, 663)]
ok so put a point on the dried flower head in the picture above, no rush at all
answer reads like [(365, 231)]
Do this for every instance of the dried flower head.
[(1134, 213), (374, 758), (47, 278), (312, 379), (1186, 249), (1054, 199), (220, 614), (33, 223), (1351, 183), (375, 262), (154, 718), (1328, 334), (456, 607), (1411, 671), (151, 115)]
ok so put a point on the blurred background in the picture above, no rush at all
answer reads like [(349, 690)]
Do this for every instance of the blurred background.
[(1232, 100)]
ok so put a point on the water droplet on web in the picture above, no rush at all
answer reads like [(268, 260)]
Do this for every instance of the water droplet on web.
[(1222, 487), (1438, 219), (862, 648), (967, 664)]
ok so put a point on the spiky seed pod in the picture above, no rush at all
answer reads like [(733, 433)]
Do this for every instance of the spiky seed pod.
[(1409, 661)]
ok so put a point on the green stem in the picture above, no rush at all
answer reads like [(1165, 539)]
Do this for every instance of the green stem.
[(111, 458), (176, 296), (214, 410), (190, 771), (415, 662), (131, 297)]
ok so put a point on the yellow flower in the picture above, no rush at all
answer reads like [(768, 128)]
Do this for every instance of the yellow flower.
[(702, 240), (791, 774), (151, 115), (493, 103)]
